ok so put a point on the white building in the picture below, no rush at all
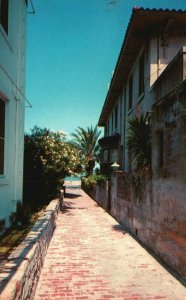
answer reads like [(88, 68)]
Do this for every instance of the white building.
[(12, 102), (152, 40)]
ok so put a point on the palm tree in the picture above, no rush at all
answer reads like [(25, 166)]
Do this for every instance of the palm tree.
[(139, 141), (86, 140)]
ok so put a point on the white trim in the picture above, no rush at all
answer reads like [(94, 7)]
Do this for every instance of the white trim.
[(3, 180), (3, 97)]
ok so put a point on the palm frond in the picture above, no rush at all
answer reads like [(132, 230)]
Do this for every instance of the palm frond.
[(87, 141), (139, 141)]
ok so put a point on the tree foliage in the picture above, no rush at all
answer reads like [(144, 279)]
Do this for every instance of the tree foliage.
[(86, 140), (48, 158), (139, 141)]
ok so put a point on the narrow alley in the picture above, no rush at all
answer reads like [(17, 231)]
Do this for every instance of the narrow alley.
[(91, 257)]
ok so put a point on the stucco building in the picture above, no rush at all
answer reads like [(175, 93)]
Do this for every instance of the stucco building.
[(152, 40), (12, 102), (150, 78)]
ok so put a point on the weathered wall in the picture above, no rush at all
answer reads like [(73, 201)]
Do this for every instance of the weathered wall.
[(152, 203), (19, 278), (169, 180), (157, 219), (100, 193)]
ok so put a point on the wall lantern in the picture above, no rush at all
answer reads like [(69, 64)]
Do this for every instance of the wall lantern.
[(115, 166), (148, 116)]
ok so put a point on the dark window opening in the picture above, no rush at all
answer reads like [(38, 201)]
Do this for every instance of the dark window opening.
[(2, 135), (116, 117), (130, 91), (105, 130), (112, 121), (108, 129), (129, 160), (141, 74), (120, 115), (4, 14), (2, 225), (160, 157)]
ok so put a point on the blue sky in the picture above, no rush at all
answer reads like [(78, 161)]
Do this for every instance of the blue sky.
[(72, 49)]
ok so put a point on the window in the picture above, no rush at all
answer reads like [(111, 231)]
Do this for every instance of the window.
[(2, 226), (2, 135), (130, 91), (105, 130), (108, 129), (141, 75), (112, 121), (4, 14), (160, 148), (105, 156), (116, 117), (129, 159), (120, 125), (114, 155)]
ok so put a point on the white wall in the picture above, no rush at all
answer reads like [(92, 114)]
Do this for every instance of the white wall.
[(160, 56), (12, 84), (157, 57)]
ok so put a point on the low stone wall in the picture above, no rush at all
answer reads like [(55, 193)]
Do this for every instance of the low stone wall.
[(100, 193), (19, 278)]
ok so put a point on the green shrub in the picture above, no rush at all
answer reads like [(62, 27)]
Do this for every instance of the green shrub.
[(48, 158), (101, 179), (22, 214), (88, 183)]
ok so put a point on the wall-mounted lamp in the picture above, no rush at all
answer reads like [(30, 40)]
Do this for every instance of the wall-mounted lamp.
[(148, 116), (115, 166)]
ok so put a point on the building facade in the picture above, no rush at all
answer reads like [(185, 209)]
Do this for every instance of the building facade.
[(12, 104), (152, 40), (150, 79)]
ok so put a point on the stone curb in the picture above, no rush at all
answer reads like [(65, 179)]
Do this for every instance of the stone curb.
[(20, 275)]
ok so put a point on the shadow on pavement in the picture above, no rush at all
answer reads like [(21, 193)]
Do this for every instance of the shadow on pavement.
[(73, 187), (72, 196), (68, 206), (119, 228)]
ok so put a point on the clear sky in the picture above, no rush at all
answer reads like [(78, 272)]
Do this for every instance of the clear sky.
[(72, 49)]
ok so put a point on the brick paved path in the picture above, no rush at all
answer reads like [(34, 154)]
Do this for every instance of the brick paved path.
[(91, 257)]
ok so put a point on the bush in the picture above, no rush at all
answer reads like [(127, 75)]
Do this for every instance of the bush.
[(100, 179), (48, 158), (22, 214), (88, 183)]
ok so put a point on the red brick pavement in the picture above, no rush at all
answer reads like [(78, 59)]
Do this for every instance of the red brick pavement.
[(91, 257)]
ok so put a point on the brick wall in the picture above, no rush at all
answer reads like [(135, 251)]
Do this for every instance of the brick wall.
[(20, 275)]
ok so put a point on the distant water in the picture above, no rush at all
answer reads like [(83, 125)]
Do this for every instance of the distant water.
[(73, 178)]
